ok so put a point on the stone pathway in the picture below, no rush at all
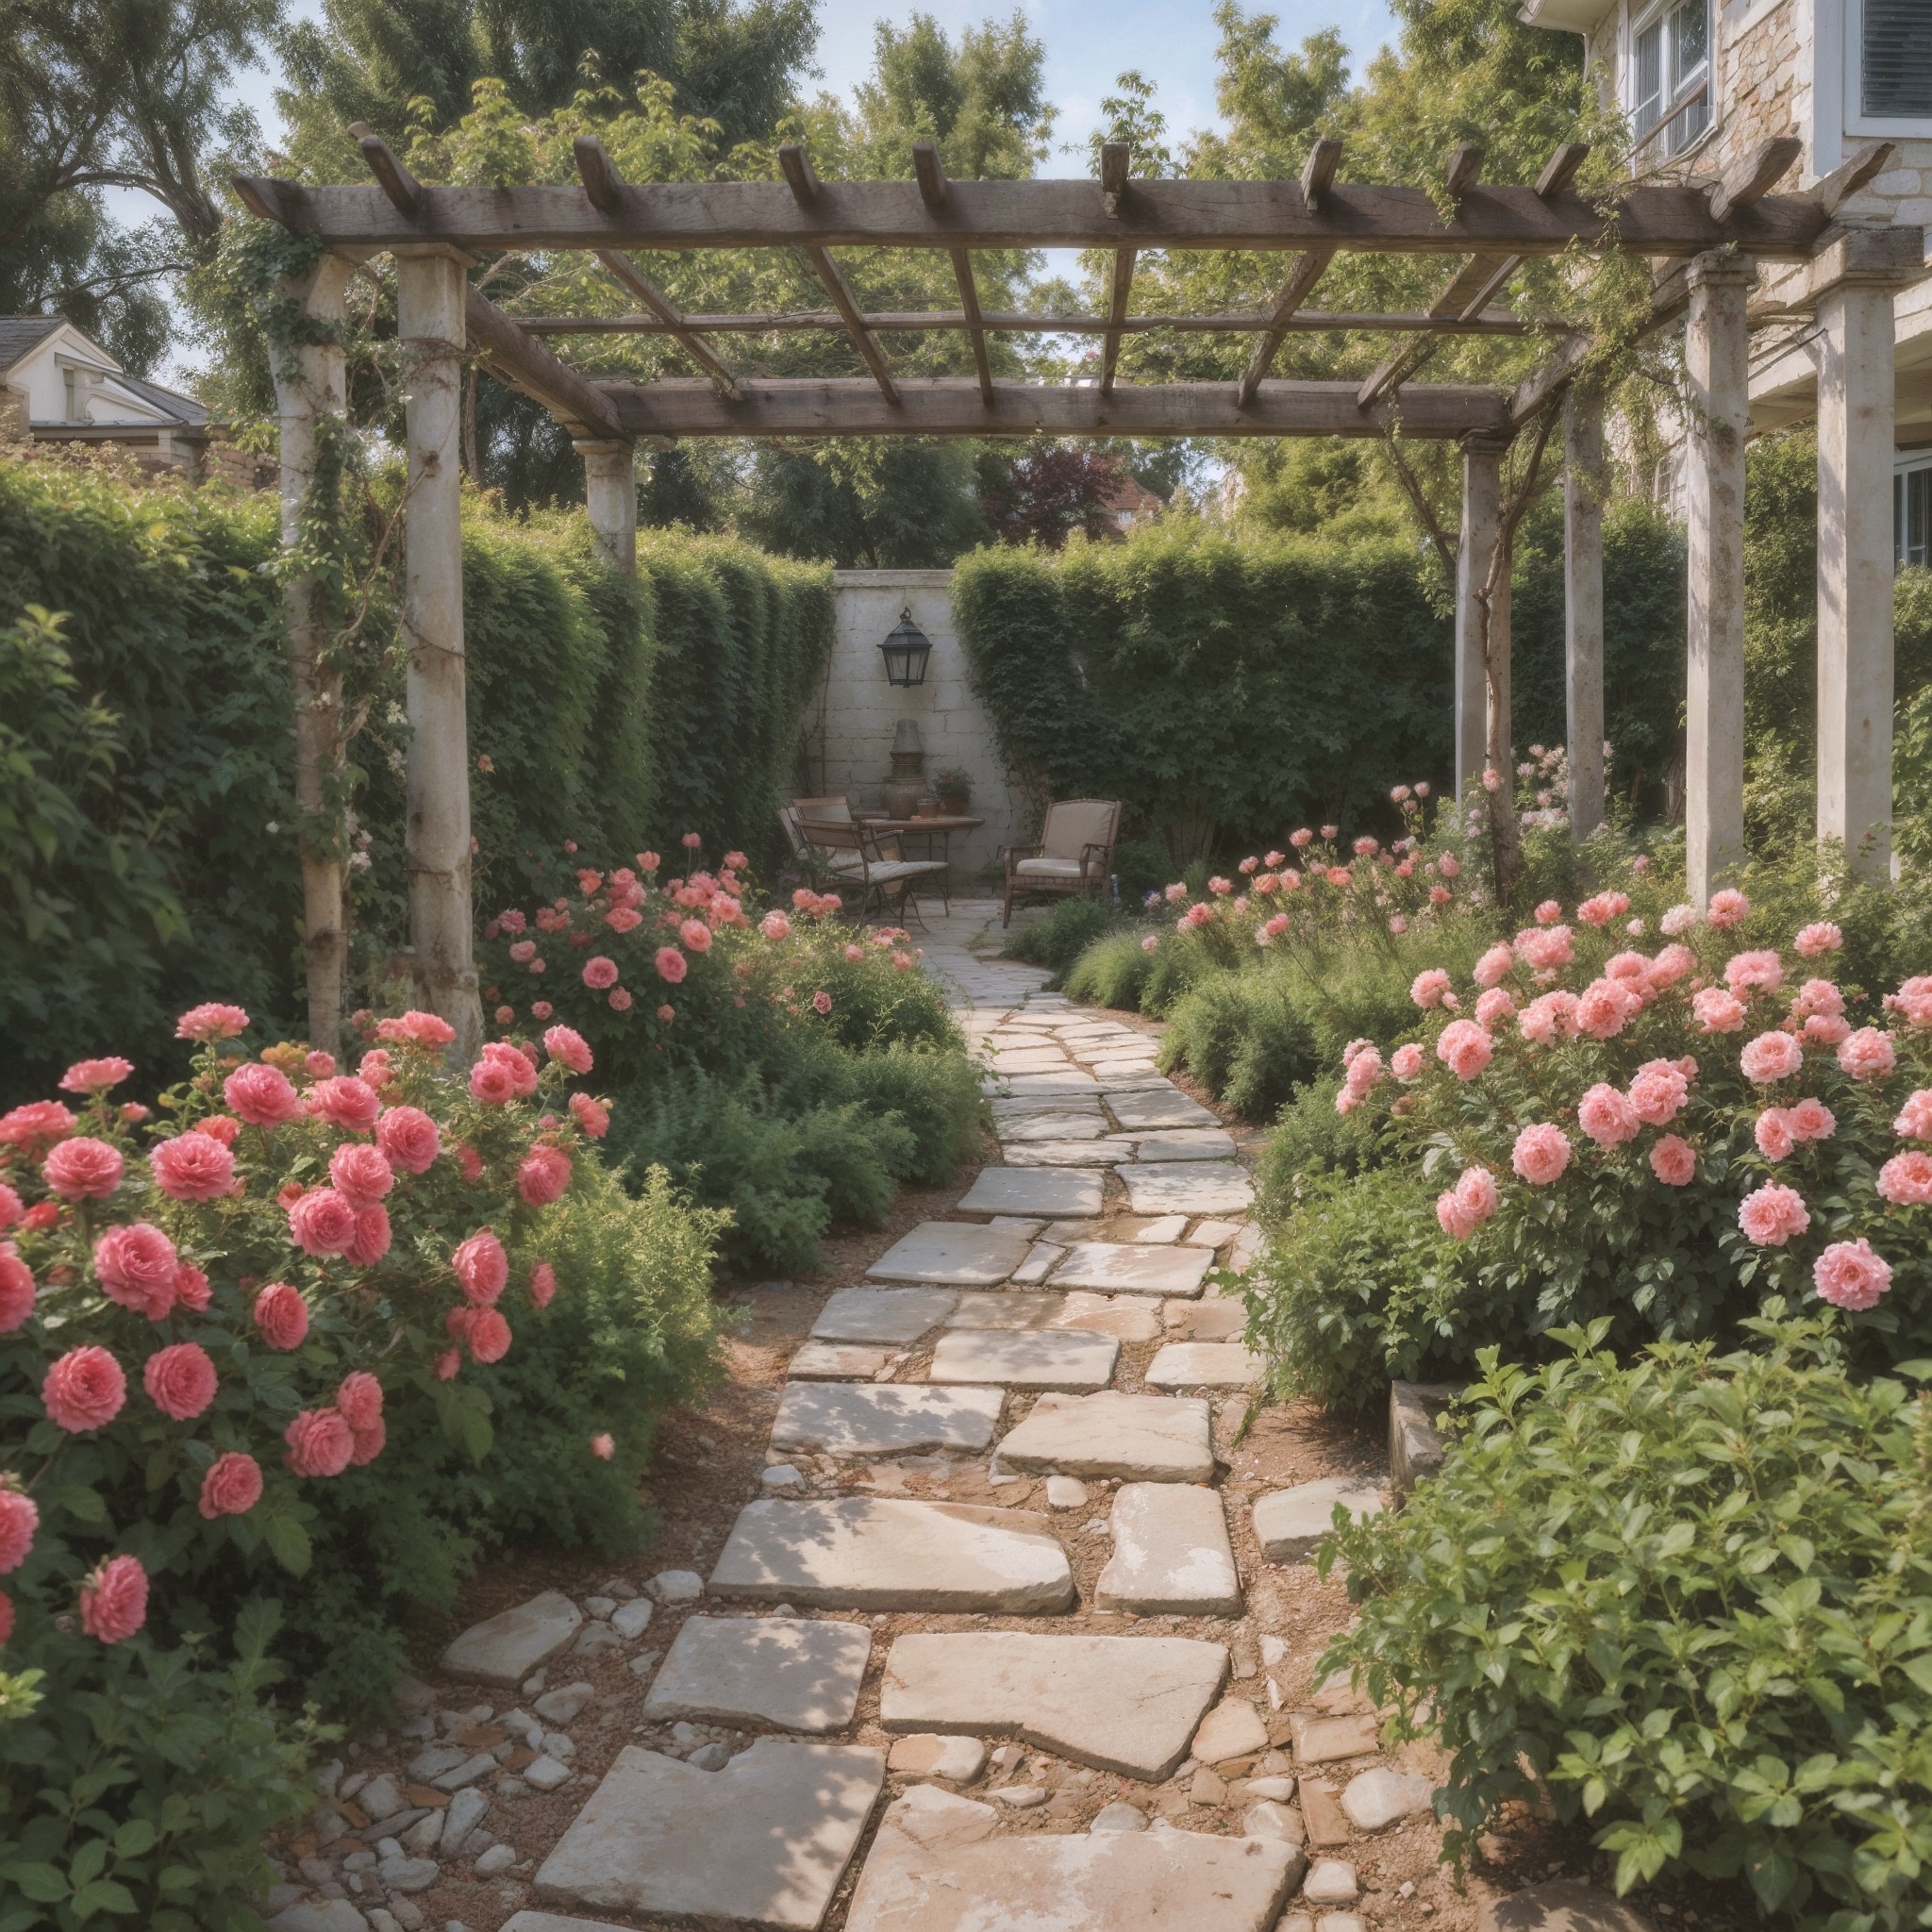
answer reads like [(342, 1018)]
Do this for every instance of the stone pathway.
[(995, 1514)]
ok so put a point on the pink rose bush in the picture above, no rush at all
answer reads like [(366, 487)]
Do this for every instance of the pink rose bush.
[(222, 1300), (1665, 1139)]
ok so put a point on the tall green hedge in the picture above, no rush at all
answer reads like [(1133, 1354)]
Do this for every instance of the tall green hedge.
[(613, 713), (1227, 690)]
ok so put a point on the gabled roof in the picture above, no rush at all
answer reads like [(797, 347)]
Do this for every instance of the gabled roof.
[(182, 409), (20, 334)]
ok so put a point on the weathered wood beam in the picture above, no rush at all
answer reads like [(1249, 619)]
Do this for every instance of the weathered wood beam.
[(1015, 322), (1837, 188), (953, 407), (1114, 157), (1750, 176), (931, 172), (1560, 169), (1116, 314), (676, 326), (598, 173), (403, 189), (1462, 167), (800, 177), (1475, 284), (527, 365), (1657, 219), (1299, 285), (1318, 173)]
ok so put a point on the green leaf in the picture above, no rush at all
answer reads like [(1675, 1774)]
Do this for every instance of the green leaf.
[(81, 1502), (103, 1895), (38, 1881), (134, 1838), (289, 1542)]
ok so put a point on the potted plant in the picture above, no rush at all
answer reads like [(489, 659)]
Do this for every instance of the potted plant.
[(955, 791)]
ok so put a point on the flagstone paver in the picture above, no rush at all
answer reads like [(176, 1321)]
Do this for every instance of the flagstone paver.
[(1130, 1316), (1021, 1129), (882, 1552), (837, 1361), (951, 1253), (1159, 1107), (1205, 1365), (1006, 1311), (764, 1841), (784, 1671), (1129, 1705), (1022, 1360), (1030, 1190), (1171, 1554), (1134, 1268), (884, 1417), (1189, 1186), (507, 1647), (1135, 1438), (1291, 1524)]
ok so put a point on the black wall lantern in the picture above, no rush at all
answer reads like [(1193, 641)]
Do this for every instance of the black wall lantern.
[(906, 650)]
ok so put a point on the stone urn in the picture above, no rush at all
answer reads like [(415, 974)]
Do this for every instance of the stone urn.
[(906, 786)]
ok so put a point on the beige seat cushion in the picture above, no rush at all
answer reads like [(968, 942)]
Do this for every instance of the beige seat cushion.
[(1047, 869), (1075, 823), (895, 869)]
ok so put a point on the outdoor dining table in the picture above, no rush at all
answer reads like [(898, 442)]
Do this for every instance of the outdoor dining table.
[(940, 826)]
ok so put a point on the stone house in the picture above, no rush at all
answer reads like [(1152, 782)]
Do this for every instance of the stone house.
[(1704, 81)]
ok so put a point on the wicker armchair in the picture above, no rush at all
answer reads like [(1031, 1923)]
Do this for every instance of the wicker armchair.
[(1074, 856), (850, 854)]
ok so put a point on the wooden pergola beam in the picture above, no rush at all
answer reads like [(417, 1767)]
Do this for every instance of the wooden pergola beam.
[(1021, 321), (1271, 216), (801, 178), (526, 364), (932, 189), (1299, 285), (954, 407)]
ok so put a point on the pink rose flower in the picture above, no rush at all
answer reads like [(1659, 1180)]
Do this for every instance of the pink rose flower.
[(1671, 964), (1549, 1018), (345, 1102), (320, 1443), (370, 1443), (592, 1116), (671, 965), (1774, 1215), (11, 1208), (96, 1076), (1429, 987), (1867, 1055), (193, 1167), (489, 1336), (542, 1284), (1605, 1007), (1673, 1161), (1496, 965), (1658, 1091), (1827, 1029), (567, 1044), (373, 1237), (1475, 1187), (1770, 1058), (1727, 908), (19, 1519), (136, 1265), (1540, 1154), (544, 1176), (600, 973), (359, 1400), (1905, 1179), (281, 1315), (375, 1068), (623, 919), (211, 1021), (482, 1267), (322, 1223), (430, 1032), (363, 1175), (180, 1381), (37, 1124), (232, 1486), (493, 1083), (113, 1600), (84, 1390), (1820, 937), (774, 926), (1811, 1120), (83, 1168), (471, 1164), (1913, 999), (603, 1447), (524, 951), (1494, 1010), (192, 1289), (1849, 1275), (262, 1094), (1456, 1222), (822, 1003), (17, 1289), (447, 1364), (1464, 1048), (1546, 949), (1914, 1121), (1818, 996), (1608, 1116), (1773, 1133), (1406, 1063), (1717, 1011), (409, 1137), (696, 935), (1749, 973)]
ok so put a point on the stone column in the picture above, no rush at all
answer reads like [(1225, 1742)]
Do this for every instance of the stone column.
[(610, 496), (1717, 366), (1479, 630), (1585, 488), (1854, 570), (310, 383), (432, 281)]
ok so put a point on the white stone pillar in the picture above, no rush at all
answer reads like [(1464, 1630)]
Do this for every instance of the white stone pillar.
[(1475, 639), (1716, 356), (431, 282), (610, 497), (311, 383), (1855, 571), (1585, 488)]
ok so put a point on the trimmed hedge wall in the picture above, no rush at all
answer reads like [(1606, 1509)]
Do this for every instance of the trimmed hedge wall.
[(618, 715)]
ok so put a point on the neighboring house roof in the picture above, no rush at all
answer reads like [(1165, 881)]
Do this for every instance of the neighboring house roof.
[(19, 334), (1128, 499), (1565, 16), (184, 410)]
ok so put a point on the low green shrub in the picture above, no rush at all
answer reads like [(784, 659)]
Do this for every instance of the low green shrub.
[(1057, 940), (1245, 1036), (1311, 1137), (935, 1092), (1112, 972), (1693, 1594)]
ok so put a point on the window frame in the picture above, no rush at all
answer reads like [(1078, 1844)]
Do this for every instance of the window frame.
[(1654, 147), (1852, 92), (1906, 465)]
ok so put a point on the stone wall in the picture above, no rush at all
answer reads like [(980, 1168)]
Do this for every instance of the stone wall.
[(849, 729)]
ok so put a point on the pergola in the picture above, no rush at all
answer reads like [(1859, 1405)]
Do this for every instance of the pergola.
[(1702, 240)]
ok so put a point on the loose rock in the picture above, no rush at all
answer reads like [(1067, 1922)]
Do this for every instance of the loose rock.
[(506, 1648), (1331, 1882), (1377, 1799), (677, 1586), (1233, 1729), (1291, 1524)]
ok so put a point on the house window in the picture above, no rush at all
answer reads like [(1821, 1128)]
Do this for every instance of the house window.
[(1671, 77), (1896, 60), (1911, 516)]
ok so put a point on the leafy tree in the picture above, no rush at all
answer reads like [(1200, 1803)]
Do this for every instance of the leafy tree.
[(68, 258), (1048, 493), (885, 504)]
